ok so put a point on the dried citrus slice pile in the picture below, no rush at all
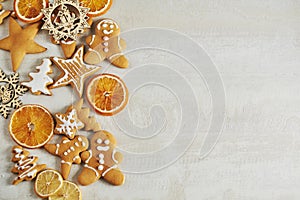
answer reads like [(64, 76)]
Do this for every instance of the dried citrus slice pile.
[(107, 94), (97, 7), (31, 126), (29, 10), (68, 191), (47, 183)]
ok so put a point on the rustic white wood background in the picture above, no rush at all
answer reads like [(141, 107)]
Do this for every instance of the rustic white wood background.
[(256, 48)]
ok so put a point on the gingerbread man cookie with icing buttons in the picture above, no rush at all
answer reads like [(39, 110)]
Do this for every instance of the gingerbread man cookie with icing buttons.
[(101, 161), (68, 151), (106, 44)]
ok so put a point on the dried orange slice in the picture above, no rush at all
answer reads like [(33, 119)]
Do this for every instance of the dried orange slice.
[(107, 94), (97, 7), (31, 126), (29, 11), (47, 183), (68, 191)]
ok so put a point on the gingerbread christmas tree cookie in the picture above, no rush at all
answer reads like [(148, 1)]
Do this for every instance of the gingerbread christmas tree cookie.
[(40, 80), (25, 166)]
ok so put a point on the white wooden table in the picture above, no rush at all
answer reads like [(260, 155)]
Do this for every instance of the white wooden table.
[(255, 46)]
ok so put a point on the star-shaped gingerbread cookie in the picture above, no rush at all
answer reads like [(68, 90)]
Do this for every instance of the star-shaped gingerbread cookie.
[(74, 71), (21, 42), (68, 151)]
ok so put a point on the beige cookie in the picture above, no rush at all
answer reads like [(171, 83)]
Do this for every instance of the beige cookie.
[(67, 124), (101, 161), (83, 114), (106, 44), (68, 151), (25, 166)]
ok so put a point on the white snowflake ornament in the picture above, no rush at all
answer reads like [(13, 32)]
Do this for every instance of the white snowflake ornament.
[(10, 91), (68, 124), (40, 80), (65, 19)]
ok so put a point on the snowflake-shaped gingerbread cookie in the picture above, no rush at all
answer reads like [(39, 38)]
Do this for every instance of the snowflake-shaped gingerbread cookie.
[(10, 91), (65, 19), (67, 124)]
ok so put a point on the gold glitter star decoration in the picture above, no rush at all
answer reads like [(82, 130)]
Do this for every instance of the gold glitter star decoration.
[(65, 19), (10, 91)]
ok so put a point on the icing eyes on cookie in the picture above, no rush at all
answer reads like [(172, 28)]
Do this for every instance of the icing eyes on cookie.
[(106, 142), (99, 141)]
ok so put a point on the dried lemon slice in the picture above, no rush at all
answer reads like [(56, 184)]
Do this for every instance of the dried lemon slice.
[(68, 191), (47, 183)]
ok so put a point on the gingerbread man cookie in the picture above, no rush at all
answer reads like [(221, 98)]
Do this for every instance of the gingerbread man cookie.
[(25, 165), (101, 161), (106, 44), (68, 151)]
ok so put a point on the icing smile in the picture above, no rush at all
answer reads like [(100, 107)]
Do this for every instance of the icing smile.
[(100, 148), (108, 32)]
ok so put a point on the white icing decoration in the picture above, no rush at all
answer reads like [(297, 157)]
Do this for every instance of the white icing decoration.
[(65, 162), (65, 153), (65, 141), (72, 148), (79, 139), (106, 142), (40, 79), (100, 167), (113, 156), (105, 50), (69, 151), (105, 38), (68, 124), (87, 166), (105, 44), (99, 141), (76, 157), (107, 32), (101, 148), (101, 155), (96, 52), (25, 163), (90, 156), (57, 148), (76, 144), (92, 40), (83, 144), (113, 167)]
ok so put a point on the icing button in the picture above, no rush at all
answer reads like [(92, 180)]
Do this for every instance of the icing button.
[(100, 167)]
